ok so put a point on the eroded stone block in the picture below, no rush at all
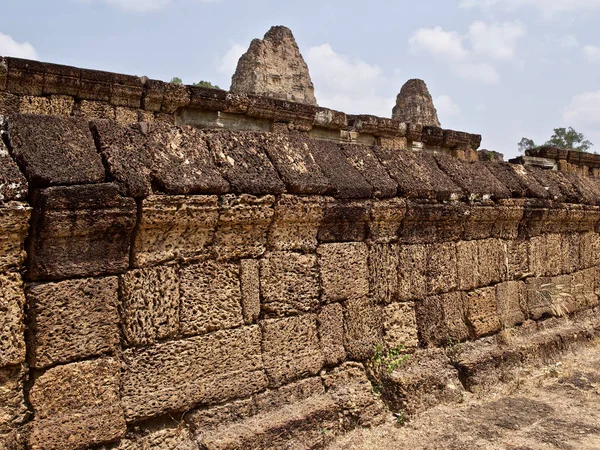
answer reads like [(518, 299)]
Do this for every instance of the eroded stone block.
[(492, 260), (178, 438), (331, 330), (442, 319), (243, 225), (482, 312), (173, 227), (296, 223), (53, 105), (442, 268), (344, 221), (72, 320), (77, 406), (400, 326), (386, 220), (512, 303), (344, 271), (250, 284), (165, 377), (13, 185), (412, 272), (289, 283), (13, 411), (383, 272), (80, 231), (14, 225), (204, 419), (12, 320), (467, 265), (291, 348), (362, 327), (211, 297), (364, 160), (150, 305), (589, 250)]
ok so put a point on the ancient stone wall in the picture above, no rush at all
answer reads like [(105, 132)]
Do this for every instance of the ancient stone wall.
[(166, 286)]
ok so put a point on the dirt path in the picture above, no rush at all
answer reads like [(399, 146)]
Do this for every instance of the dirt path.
[(555, 407)]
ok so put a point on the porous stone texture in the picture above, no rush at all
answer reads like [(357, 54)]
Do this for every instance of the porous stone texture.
[(13, 411), (211, 297), (274, 67), (441, 319), (383, 272), (512, 303), (415, 105), (164, 377), (13, 185), (250, 285), (80, 231), (172, 227), (72, 320), (289, 283), (14, 225), (76, 406), (441, 268), (365, 161), (12, 326), (150, 304), (178, 438), (362, 327), (386, 220), (344, 271), (331, 330), (54, 150), (412, 266), (291, 348), (296, 223), (400, 326), (344, 221), (482, 313)]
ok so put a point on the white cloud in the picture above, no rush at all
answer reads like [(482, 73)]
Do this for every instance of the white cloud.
[(9, 47), (592, 53), (349, 84), (481, 72), (142, 6), (569, 41), (446, 107), (584, 109), (230, 59), (440, 43), (547, 8), (497, 41)]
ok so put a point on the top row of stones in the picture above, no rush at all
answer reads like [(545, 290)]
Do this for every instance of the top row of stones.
[(146, 158)]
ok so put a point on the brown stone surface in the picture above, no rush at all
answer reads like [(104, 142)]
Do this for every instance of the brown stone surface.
[(545, 255), (467, 265), (441, 319), (383, 272), (274, 67), (77, 406), (556, 184), (243, 162), (12, 326), (176, 376), (427, 222), (491, 260), (13, 411), (80, 231), (13, 185), (331, 331), (204, 419), (344, 271), (512, 303), (412, 271), (243, 225), (250, 285), (344, 221), (54, 150), (289, 283), (296, 223), (178, 438), (291, 348), (211, 297), (364, 159), (415, 105), (72, 320), (362, 327), (482, 312), (150, 305), (54, 105), (400, 326), (386, 219), (174, 227), (442, 274), (517, 180)]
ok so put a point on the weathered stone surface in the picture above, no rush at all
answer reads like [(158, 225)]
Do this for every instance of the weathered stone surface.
[(415, 105), (442, 268), (274, 67), (364, 160), (386, 219), (243, 225), (25, 77), (589, 250), (80, 231), (291, 348), (400, 326), (345, 180), (482, 312), (166, 377), (204, 419), (344, 221), (344, 271), (175, 96), (418, 175), (517, 180), (508, 220), (77, 406), (13, 411), (54, 150), (250, 285), (289, 283), (491, 260), (412, 271), (518, 259), (12, 326), (292, 156), (182, 161), (467, 265), (545, 255), (95, 110), (296, 223), (556, 184), (297, 391), (150, 304), (549, 296), (243, 162), (433, 222), (441, 319), (178, 438), (512, 303), (384, 262), (13, 185), (211, 297), (174, 227), (54, 105), (72, 320), (331, 330), (362, 327)]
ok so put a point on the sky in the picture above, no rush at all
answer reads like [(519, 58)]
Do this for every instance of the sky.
[(505, 69)]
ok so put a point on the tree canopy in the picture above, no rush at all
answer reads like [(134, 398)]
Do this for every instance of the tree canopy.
[(566, 138), (201, 83)]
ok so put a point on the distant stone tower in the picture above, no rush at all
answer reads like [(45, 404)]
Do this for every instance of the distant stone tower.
[(275, 68), (415, 105)]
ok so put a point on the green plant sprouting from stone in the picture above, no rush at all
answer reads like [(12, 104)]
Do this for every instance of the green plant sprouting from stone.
[(391, 359)]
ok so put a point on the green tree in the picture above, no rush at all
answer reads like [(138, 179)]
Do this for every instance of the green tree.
[(526, 144), (176, 80), (207, 84), (569, 138)]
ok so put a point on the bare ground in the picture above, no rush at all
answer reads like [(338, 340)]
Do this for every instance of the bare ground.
[(553, 407)]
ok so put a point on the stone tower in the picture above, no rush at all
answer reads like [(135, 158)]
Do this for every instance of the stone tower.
[(275, 68), (415, 105)]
